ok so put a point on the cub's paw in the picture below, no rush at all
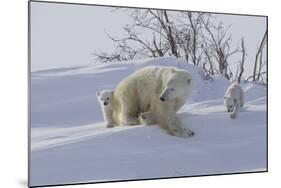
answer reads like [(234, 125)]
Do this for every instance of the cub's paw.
[(233, 116), (188, 132)]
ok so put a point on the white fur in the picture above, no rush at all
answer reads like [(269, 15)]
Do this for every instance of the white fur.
[(105, 99), (234, 99), (146, 118), (158, 91)]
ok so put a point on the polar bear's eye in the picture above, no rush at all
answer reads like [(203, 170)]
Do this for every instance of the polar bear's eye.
[(172, 89), (107, 98)]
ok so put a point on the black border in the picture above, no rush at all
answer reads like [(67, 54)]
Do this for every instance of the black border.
[(29, 91), (159, 178), (117, 6)]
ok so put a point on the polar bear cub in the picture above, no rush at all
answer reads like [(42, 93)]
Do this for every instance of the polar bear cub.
[(105, 99), (234, 99)]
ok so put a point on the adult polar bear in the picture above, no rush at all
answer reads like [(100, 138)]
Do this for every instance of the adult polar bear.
[(160, 91)]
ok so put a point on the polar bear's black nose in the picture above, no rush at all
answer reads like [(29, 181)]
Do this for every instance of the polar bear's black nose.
[(105, 104), (162, 99)]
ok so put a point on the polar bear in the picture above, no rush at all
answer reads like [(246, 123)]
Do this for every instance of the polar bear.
[(234, 99), (105, 99), (154, 91)]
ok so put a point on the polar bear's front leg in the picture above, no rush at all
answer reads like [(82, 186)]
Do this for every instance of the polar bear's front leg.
[(108, 117), (173, 125), (236, 109), (180, 131), (241, 99)]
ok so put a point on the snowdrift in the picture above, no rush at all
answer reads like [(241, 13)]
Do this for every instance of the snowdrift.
[(69, 143)]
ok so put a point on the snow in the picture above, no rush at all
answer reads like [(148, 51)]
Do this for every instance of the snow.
[(70, 144)]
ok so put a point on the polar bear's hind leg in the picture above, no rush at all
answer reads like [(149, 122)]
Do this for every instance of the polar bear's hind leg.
[(146, 118), (128, 116)]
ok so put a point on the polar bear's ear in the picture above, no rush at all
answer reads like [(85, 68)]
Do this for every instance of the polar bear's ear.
[(235, 101), (98, 93), (173, 70)]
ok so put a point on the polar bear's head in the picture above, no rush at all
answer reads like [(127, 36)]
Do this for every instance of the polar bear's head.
[(105, 97), (179, 85), (230, 102)]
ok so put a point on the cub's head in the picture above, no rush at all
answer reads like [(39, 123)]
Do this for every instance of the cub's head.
[(105, 97), (229, 102), (179, 85)]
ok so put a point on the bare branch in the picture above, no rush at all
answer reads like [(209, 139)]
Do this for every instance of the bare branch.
[(258, 55), (242, 61)]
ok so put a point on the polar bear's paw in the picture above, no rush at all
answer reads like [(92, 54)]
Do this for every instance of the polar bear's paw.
[(233, 115), (145, 118), (184, 133), (187, 132), (109, 125)]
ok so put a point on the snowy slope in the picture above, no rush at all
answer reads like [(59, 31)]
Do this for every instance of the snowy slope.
[(70, 144)]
